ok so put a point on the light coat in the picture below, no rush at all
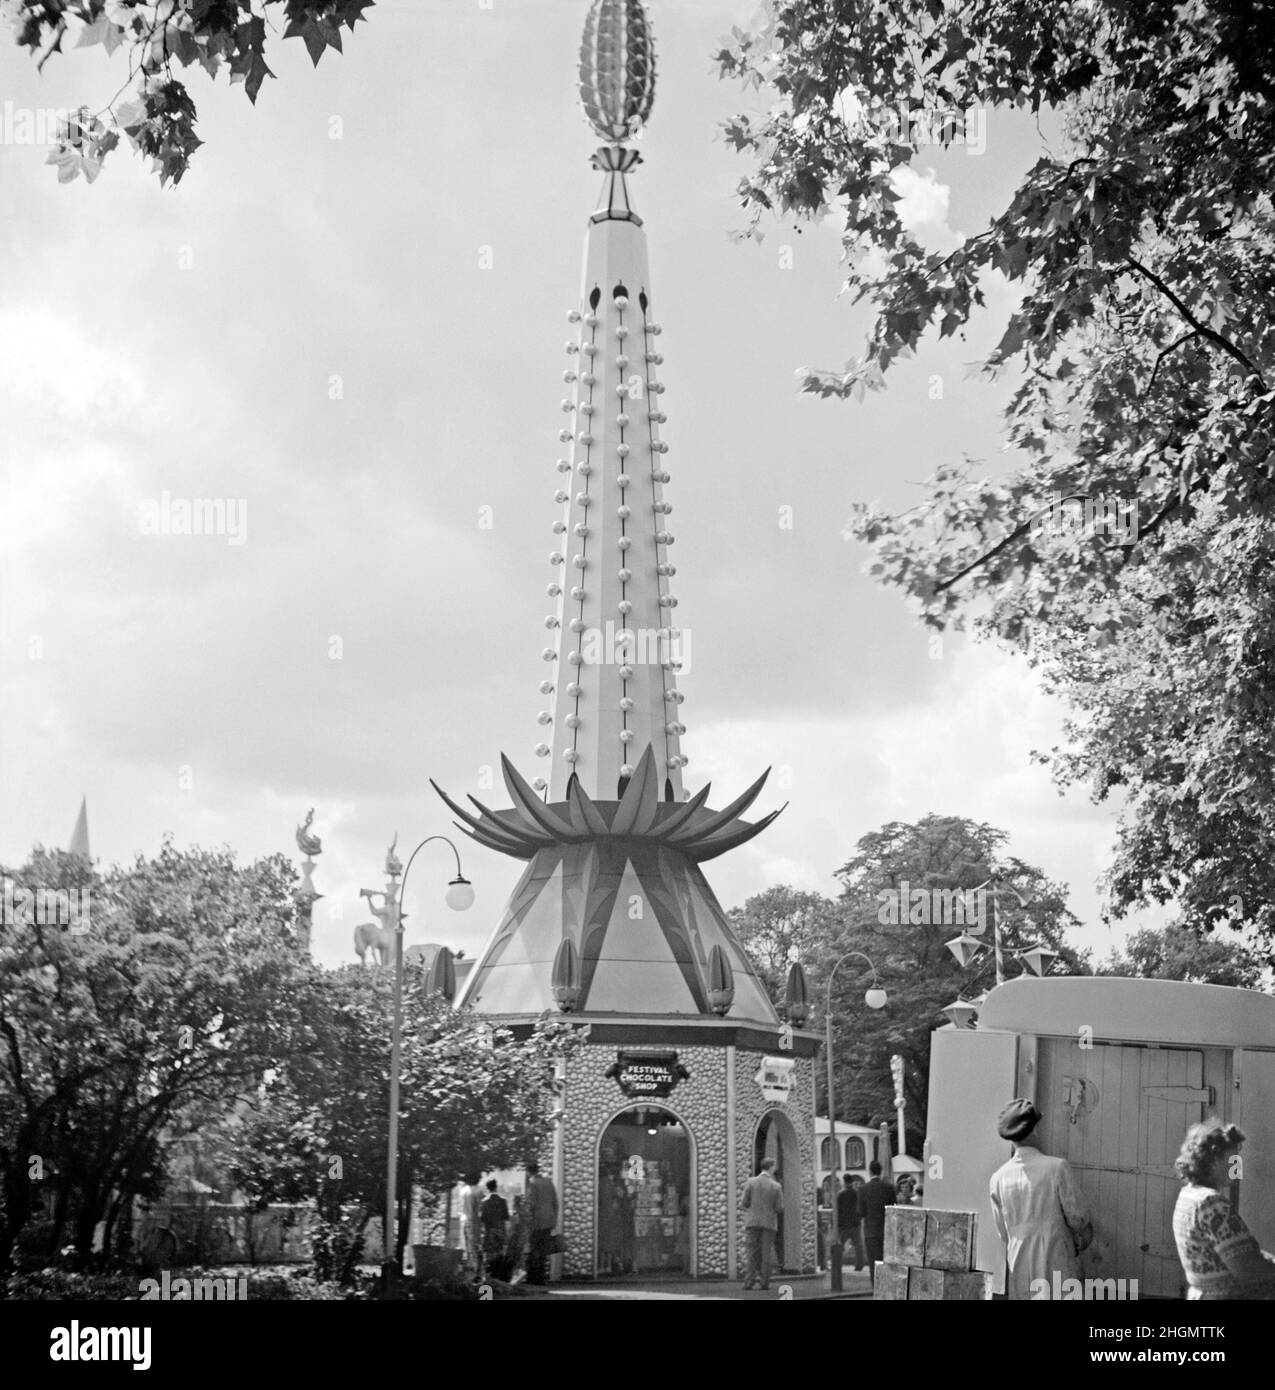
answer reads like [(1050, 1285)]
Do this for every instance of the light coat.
[(1041, 1216), (763, 1201)]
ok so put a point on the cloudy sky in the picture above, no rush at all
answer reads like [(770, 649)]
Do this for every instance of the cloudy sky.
[(349, 321)]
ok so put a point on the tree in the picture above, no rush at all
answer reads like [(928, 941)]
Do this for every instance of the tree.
[(1140, 346), (779, 926), (157, 115), (899, 906), (174, 990), (472, 1097), (1176, 953), (933, 857)]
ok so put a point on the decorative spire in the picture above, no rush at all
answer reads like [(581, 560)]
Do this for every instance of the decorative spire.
[(617, 68), (607, 827), (80, 835)]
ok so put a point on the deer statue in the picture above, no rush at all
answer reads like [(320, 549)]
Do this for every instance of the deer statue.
[(379, 939)]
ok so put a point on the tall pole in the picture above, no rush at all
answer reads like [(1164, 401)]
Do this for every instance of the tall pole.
[(396, 1051), (396, 1059), (996, 935), (834, 1227)]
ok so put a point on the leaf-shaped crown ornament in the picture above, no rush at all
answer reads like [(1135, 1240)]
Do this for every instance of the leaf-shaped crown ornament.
[(617, 68)]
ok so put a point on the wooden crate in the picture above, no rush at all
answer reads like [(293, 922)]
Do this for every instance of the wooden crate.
[(949, 1285), (949, 1239), (890, 1282), (905, 1235)]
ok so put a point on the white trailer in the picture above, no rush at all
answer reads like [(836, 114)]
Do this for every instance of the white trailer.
[(1119, 1069)]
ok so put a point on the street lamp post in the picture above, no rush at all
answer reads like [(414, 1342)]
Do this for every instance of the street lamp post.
[(875, 999), (460, 894)]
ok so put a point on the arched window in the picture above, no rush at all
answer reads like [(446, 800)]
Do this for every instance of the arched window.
[(830, 1153), (856, 1157)]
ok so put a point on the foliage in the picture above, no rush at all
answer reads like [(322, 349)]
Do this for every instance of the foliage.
[(57, 1285), (1177, 953), (178, 993), (158, 115), (918, 973), (776, 927), (295, 1286), (49, 1285), (1140, 343), (471, 1097)]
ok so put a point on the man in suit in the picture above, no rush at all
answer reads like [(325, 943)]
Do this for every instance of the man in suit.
[(848, 1219), (874, 1196), (542, 1217), (762, 1203), (1040, 1213)]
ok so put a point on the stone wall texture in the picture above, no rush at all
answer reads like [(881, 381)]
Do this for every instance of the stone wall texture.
[(751, 1107), (592, 1100)]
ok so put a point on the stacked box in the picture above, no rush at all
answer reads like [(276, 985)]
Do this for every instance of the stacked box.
[(890, 1281), (949, 1240), (929, 1254), (905, 1235)]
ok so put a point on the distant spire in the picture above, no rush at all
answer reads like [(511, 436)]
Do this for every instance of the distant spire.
[(80, 835)]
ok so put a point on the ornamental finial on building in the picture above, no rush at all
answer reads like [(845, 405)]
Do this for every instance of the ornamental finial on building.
[(617, 68)]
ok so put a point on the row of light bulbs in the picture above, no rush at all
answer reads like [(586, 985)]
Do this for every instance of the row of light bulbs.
[(624, 543)]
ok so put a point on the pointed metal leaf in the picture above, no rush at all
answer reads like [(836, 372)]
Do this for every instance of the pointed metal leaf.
[(636, 812)]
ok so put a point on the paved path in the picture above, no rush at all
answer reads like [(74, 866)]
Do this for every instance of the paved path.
[(795, 1287)]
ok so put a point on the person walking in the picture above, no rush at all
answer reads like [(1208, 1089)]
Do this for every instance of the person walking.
[(860, 1254), (1220, 1255), (516, 1246), (494, 1215), (762, 1203), (470, 1228), (848, 1219), (542, 1217), (874, 1196), (1040, 1213)]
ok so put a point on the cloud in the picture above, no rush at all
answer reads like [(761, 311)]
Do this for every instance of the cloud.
[(923, 207)]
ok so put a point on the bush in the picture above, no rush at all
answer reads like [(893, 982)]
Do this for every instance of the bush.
[(50, 1285), (295, 1288)]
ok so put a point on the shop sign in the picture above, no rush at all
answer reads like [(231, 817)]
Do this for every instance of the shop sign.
[(647, 1073), (775, 1078)]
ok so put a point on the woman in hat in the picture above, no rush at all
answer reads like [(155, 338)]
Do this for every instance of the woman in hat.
[(1219, 1255), (1040, 1214)]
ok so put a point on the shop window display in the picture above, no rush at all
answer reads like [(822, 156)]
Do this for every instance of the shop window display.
[(644, 1195)]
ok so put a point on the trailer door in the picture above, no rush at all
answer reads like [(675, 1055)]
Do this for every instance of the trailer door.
[(1117, 1113), (1255, 1115), (972, 1078)]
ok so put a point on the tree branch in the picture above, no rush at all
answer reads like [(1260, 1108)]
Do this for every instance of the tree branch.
[(1164, 352), (1205, 332)]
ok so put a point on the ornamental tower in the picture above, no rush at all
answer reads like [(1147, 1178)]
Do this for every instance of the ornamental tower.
[(687, 1077), (607, 827)]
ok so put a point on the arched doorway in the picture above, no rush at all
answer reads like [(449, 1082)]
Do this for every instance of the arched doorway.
[(645, 1213), (777, 1138)]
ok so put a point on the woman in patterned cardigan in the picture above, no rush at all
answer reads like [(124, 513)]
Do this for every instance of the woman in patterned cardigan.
[(1218, 1252)]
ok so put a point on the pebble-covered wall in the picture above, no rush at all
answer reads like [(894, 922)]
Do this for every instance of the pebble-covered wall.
[(592, 1100), (800, 1109)]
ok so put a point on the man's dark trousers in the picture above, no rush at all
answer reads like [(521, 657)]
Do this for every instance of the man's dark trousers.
[(538, 1257)]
